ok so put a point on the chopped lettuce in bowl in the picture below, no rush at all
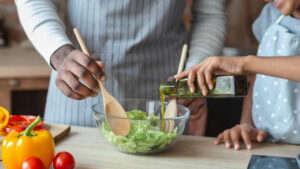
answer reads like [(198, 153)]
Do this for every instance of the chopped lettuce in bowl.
[(145, 136), (148, 132)]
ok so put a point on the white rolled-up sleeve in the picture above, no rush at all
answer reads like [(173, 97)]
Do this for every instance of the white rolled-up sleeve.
[(208, 30), (42, 25)]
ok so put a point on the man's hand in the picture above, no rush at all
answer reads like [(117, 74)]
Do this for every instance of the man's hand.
[(198, 117), (74, 67), (245, 131)]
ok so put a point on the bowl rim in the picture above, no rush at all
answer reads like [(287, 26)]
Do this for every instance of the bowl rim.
[(186, 116)]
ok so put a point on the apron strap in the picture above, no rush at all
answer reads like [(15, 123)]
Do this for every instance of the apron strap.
[(279, 19)]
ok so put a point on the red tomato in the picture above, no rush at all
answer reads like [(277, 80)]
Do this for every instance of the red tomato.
[(33, 163), (63, 160)]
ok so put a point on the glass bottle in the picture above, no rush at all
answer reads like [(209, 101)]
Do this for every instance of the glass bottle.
[(224, 86)]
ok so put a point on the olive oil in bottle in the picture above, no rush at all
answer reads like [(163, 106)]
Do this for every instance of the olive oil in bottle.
[(224, 86)]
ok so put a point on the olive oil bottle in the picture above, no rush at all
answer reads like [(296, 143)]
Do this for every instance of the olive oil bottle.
[(224, 86)]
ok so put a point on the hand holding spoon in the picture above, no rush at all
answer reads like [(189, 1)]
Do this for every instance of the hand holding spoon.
[(119, 126)]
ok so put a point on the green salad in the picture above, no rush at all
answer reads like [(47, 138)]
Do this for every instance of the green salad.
[(145, 136)]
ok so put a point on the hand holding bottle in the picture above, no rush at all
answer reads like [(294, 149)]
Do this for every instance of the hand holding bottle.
[(198, 108), (213, 65)]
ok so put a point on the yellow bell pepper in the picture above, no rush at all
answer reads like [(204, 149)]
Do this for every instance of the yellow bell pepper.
[(4, 117), (18, 146)]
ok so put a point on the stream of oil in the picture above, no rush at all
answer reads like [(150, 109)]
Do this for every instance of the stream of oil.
[(162, 110)]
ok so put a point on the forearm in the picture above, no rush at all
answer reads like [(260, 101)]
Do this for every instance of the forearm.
[(287, 67), (42, 26), (246, 116), (208, 30)]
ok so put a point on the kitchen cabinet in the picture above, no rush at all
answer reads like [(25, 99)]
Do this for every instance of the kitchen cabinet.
[(21, 70)]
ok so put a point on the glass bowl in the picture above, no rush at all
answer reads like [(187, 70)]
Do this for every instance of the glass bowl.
[(148, 132)]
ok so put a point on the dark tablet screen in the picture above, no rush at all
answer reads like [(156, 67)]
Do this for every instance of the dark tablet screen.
[(271, 162)]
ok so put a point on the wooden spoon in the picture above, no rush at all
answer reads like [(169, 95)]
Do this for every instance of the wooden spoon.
[(171, 110), (119, 124)]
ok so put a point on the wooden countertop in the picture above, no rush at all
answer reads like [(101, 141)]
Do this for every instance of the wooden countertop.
[(90, 150), (18, 62)]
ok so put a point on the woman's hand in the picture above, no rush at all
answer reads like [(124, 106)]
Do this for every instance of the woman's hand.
[(245, 131), (212, 66), (74, 67), (198, 112)]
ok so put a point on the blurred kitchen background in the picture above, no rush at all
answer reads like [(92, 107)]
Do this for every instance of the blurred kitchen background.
[(24, 75)]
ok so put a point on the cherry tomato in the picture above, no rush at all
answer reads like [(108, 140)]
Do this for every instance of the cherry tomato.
[(33, 163), (63, 160)]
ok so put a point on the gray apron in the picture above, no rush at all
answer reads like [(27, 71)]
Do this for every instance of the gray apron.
[(276, 101), (140, 42)]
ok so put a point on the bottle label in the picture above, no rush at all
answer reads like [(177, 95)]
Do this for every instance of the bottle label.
[(224, 85)]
